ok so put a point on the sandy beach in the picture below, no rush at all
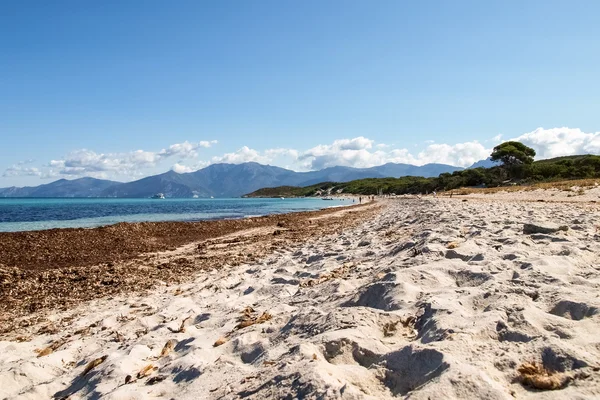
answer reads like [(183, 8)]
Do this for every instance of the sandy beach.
[(59, 268), (478, 296)]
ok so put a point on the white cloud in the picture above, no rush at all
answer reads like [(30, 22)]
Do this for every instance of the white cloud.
[(460, 154), (281, 152), (180, 169), (185, 149), (347, 152), (89, 163), (207, 143), (357, 152), (340, 153), (242, 155), (18, 170), (49, 173), (140, 157), (357, 143), (558, 142)]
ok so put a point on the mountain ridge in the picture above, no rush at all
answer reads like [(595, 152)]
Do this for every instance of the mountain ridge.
[(80, 187), (219, 180)]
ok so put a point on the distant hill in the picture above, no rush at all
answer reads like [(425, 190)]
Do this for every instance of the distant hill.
[(231, 180), (171, 184), (586, 167), (220, 180), (82, 187), (487, 163), (389, 170), (234, 180)]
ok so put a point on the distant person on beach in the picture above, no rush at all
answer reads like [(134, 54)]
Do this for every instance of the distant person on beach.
[(360, 200)]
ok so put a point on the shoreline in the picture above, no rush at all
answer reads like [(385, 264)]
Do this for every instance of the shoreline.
[(11, 226)]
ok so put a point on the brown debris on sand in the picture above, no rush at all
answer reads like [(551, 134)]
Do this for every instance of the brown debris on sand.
[(536, 376), (93, 364), (147, 370), (51, 348), (182, 326), (337, 273), (118, 337), (61, 268), (250, 317), (169, 346)]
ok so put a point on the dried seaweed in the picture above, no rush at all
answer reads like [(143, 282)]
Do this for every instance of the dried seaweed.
[(168, 347), (338, 273), (250, 317), (93, 364), (51, 348), (147, 370), (61, 268), (536, 376)]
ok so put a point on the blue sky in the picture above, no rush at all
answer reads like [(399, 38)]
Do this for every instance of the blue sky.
[(303, 78)]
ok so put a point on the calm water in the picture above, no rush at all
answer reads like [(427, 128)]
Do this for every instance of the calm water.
[(36, 214)]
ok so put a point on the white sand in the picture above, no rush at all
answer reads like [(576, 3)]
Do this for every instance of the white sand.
[(574, 194), (402, 315)]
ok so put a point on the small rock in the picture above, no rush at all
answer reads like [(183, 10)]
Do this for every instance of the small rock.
[(452, 254), (156, 379), (545, 228)]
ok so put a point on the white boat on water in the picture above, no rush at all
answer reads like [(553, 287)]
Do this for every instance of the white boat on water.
[(158, 196), (327, 198), (282, 198)]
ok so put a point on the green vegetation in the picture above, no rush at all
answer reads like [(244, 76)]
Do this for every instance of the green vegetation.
[(510, 173), (513, 153)]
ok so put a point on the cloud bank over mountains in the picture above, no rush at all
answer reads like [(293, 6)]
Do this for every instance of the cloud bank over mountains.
[(84, 162), (558, 142), (360, 152)]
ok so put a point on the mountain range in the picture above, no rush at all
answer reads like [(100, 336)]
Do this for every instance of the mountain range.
[(487, 163), (220, 180), (82, 187)]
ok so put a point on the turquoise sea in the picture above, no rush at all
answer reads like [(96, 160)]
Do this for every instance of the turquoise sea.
[(24, 214)]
